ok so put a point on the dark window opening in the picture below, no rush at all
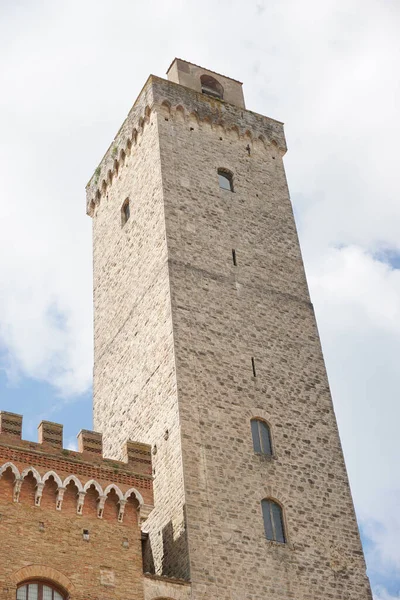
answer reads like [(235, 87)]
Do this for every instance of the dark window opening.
[(273, 521), (261, 437), (234, 257), (125, 212), (211, 87), (225, 180)]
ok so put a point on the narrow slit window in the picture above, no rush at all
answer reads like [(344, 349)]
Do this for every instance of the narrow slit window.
[(261, 437), (125, 212), (234, 258), (225, 180), (273, 521), (253, 366)]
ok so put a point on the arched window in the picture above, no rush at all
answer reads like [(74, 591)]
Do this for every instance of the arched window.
[(125, 212), (273, 521), (225, 180), (211, 87), (261, 437), (37, 590)]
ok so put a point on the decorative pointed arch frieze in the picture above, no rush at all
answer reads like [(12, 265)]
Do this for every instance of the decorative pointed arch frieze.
[(53, 474), (34, 472), (76, 481), (9, 465), (116, 489), (95, 484)]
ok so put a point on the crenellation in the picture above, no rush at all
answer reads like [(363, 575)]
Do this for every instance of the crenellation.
[(24, 456), (10, 424), (50, 433), (90, 441)]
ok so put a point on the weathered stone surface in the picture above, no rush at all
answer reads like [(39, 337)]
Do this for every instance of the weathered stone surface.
[(176, 326)]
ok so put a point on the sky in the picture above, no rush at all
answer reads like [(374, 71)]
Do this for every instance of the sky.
[(69, 73)]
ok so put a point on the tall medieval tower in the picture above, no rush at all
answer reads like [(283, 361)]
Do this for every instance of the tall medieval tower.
[(206, 347)]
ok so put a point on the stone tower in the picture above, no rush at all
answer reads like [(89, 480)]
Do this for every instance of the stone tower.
[(206, 347)]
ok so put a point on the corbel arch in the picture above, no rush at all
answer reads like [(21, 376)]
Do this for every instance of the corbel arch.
[(248, 136), (116, 489), (35, 474), (75, 479), (95, 484), (10, 465), (53, 474), (137, 494), (180, 113), (165, 108), (234, 132)]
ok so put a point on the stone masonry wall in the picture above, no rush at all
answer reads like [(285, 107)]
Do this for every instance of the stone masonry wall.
[(224, 315), (134, 372), (176, 326)]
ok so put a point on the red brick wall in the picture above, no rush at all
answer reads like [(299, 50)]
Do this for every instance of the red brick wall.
[(43, 539)]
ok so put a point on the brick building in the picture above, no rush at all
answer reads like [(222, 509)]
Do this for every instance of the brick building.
[(70, 521), (207, 349)]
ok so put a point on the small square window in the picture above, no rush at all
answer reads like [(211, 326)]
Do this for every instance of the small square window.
[(225, 180)]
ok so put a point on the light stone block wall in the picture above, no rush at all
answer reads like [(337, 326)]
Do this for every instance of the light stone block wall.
[(176, 325), (223, 315), (134, 370)]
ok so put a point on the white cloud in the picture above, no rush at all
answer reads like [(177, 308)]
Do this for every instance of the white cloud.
[(380, 593), (72, 444), (357, 301), (69, 74)]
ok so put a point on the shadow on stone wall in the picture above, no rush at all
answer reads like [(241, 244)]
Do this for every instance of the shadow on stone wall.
[(147, 555), (175, 561), (175, 554)]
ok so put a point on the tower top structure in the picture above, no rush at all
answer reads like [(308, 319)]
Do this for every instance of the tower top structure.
[(205, 81), (197, 94)]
